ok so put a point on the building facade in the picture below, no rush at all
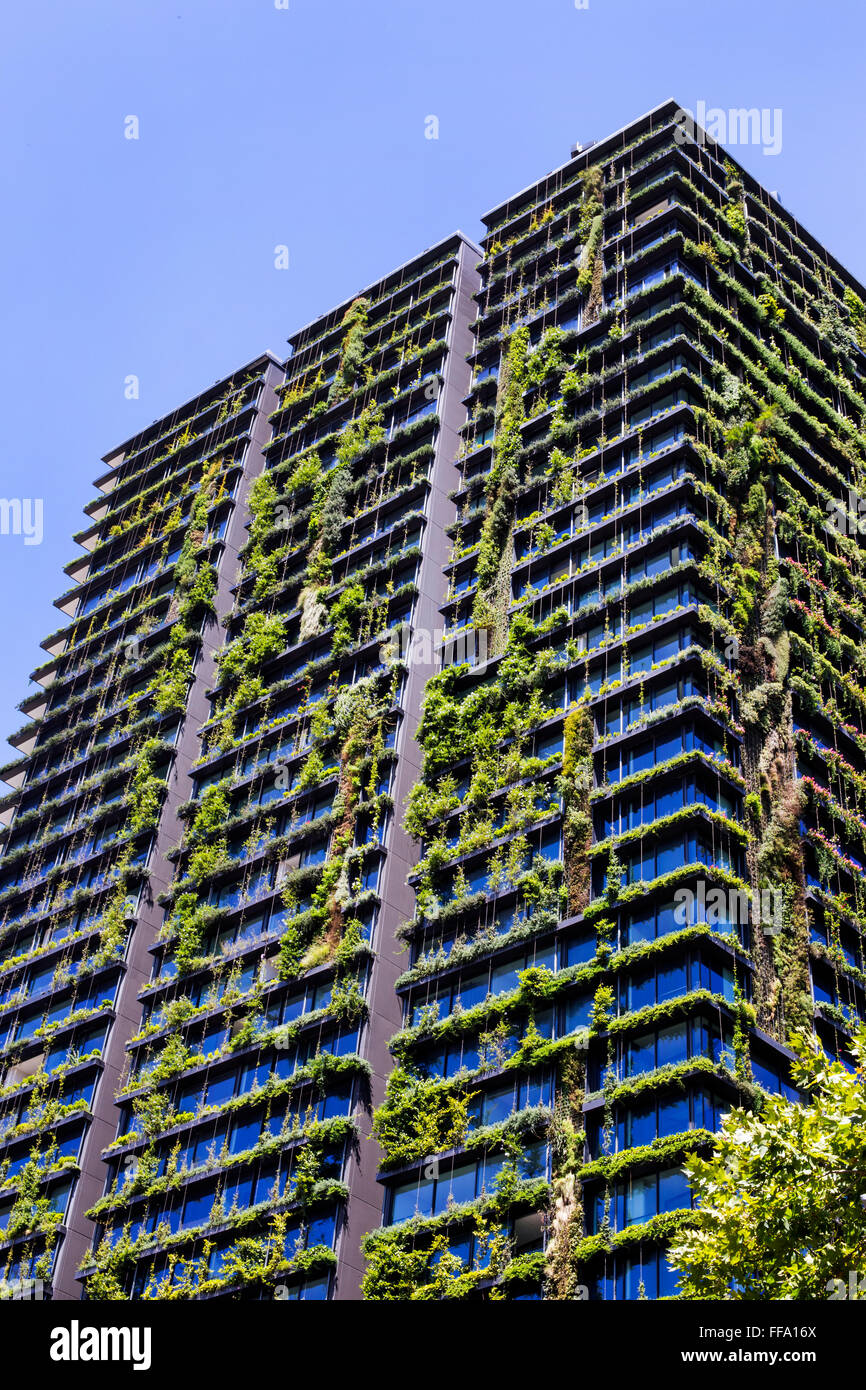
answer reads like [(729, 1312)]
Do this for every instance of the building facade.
[(229, 1145), (445, 799), (103, 767), (640, 812)]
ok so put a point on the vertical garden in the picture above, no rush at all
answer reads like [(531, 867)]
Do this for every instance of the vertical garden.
[(446, 794), (248, 1089), (640, 820), (96, 763)]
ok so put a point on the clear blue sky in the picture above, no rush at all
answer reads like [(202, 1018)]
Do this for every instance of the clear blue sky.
[(305, 127)]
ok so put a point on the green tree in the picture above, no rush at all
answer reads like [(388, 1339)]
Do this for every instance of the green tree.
[(781, 1211)]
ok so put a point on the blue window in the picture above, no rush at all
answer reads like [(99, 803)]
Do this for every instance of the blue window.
[(255, 1074), (322, 1231), (209, 1143), (245, 1134), (578, 950), (315, 1290), (222, 1089), (197, 1208), (576, 1012), (458, 1186), (338, 1102), (497, 1105), (670, 1044), (412, 1197), (239, 1191)]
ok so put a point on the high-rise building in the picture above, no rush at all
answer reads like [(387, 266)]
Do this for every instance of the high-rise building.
[(398, 889), (236, 808), (641, 810), (103, 766)]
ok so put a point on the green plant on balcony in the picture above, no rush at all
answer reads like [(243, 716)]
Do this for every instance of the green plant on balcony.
[(353, 350)]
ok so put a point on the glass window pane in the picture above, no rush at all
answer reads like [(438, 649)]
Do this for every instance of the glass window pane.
[(672, 1044), (411, 1197), (641, 1199), (673, 1115), (456, 1186), (673, 1190)]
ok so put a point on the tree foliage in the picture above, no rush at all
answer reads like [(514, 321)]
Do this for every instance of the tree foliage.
[(780, 1210)]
